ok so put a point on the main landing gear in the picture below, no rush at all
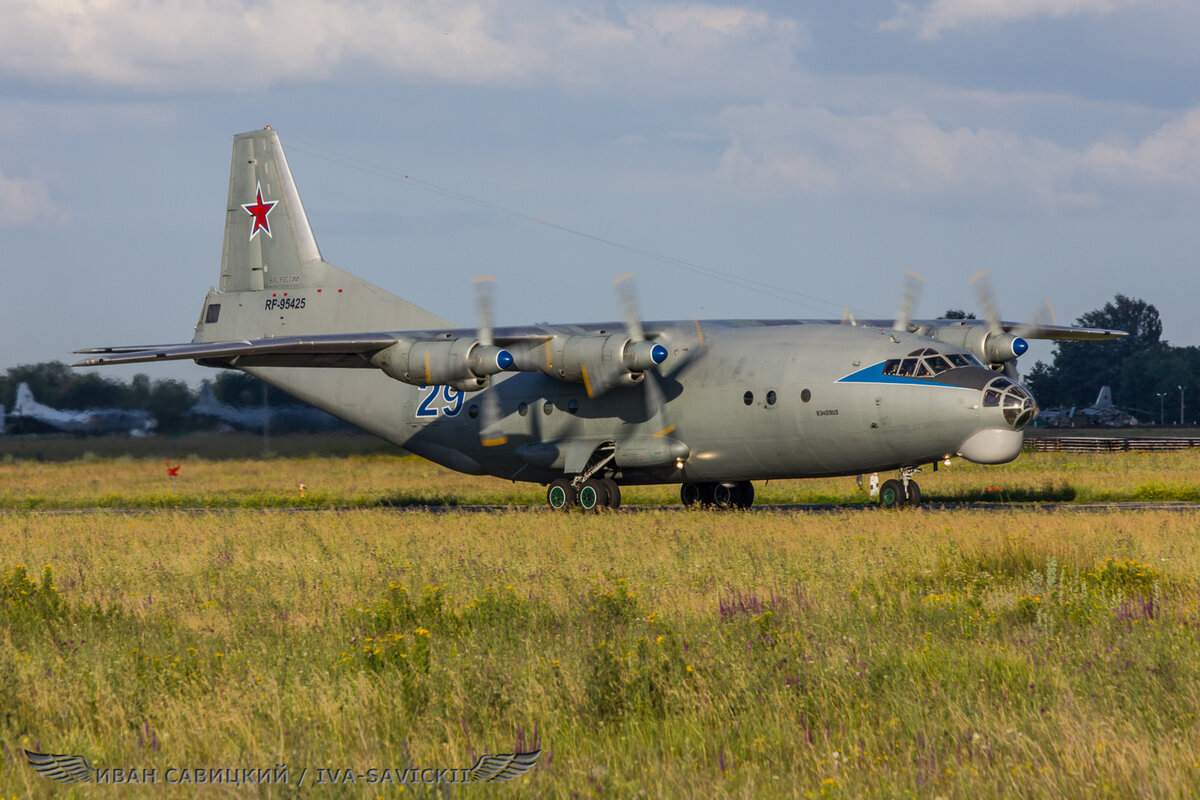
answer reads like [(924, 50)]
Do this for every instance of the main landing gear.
[(903, 492), (728, 494), (590, 495)]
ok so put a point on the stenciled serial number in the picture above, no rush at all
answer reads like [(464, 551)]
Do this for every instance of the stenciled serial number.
[(279, 303)]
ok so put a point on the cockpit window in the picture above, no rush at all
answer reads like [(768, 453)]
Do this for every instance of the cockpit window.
[(927, 362), (938, 364)]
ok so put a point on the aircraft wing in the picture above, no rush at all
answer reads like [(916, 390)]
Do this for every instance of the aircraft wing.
[(321, 350), (1025, 330)]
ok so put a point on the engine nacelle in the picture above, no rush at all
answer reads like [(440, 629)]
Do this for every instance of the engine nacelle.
[(464, 364), (614, 359), (988, 347)]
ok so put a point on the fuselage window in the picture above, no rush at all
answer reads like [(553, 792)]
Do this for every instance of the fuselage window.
[(806, 395), (212, 314), (472, 411), (991, 398), (523, 408), (748, 398), (771, 397), (548, 408), (573, 407)]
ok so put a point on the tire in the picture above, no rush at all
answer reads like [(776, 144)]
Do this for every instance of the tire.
[(691, 494), (914, 494), (614, 493), (593, 495), (725, 495), (891, 494), (744, 495), (560, 495)]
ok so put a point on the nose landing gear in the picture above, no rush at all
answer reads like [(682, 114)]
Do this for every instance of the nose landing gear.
[(903, 492)]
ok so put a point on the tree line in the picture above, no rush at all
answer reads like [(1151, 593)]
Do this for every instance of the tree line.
[(1144, 371), (57, 385)]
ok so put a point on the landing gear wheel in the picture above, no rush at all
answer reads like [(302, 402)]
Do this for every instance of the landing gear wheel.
[(914, 494), (725, 495), (614, 493), (560, 495), (691, 494), (593, 494), (891, 494), (743, 497)]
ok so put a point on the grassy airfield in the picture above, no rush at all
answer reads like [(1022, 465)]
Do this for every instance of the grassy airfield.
[(837, 654)]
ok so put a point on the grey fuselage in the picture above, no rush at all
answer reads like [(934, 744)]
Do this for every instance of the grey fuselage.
[(823, 421)]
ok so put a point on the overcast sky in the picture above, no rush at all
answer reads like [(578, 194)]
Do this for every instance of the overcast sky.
[(782, 159)]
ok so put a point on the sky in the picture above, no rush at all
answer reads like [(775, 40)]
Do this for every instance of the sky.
[(762, 159)]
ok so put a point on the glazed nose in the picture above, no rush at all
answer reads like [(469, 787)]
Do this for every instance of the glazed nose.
[(1014, 400)]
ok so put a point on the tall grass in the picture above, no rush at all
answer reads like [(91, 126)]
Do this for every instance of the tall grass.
[(387, 480), (673, 654)]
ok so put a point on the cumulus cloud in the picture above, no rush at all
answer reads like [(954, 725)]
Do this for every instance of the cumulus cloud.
[(814, 150), (23, 202), (253, 44), (1169, 156), (939, 16)]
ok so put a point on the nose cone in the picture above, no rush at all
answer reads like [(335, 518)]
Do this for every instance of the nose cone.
[(992, 446)]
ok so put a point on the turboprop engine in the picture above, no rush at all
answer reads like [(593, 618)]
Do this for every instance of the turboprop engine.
[(600, 362), (463, 364), (989, 346)]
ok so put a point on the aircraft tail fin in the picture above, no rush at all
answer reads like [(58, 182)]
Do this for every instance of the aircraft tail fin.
[(25, 404), (1104, 399), (274, 280), (268, 241)]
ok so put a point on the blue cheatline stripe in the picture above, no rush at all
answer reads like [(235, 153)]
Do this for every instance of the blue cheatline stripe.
[(874, 374)]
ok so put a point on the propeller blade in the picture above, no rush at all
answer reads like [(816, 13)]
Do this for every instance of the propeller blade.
[(491, 433), (987, 301), (484, 291), (656, 407), (908, 299), (633, 319), (1036, 325)]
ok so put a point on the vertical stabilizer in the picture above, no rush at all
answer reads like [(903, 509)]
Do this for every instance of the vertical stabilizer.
[(1104, 399), (25, 405), (268, 242), (274, 281)]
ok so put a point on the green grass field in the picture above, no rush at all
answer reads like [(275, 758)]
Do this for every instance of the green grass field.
[(671, 653)]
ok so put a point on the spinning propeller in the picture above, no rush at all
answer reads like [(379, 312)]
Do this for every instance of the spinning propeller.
[(490, 412)]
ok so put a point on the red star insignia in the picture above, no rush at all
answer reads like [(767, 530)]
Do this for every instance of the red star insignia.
[(259, 210)]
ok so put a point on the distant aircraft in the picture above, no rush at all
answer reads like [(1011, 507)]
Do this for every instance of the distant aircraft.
[(587, 408), (284, 418), (1102, 413), (28, 413)]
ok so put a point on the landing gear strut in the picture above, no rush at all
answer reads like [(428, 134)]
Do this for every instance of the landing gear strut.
[(903, 492), (728, 494)]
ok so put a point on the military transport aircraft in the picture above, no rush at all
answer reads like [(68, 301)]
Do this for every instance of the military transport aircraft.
[(29, 415), (587, 408)]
